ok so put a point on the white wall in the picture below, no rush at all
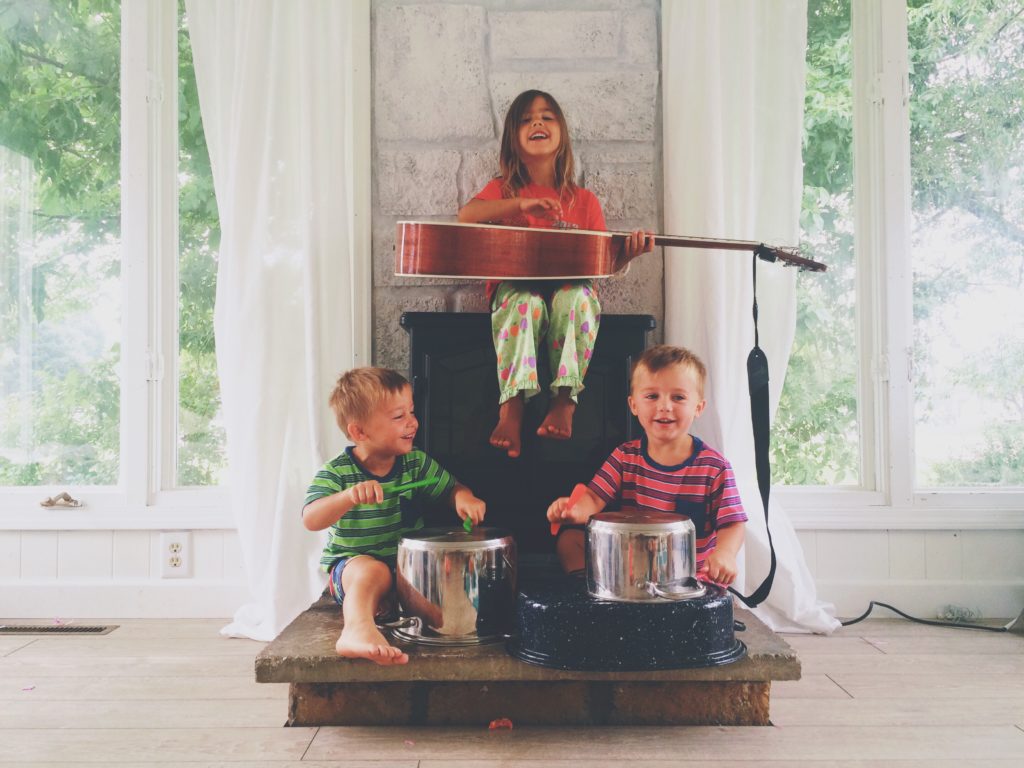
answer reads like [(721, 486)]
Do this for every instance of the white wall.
[(116, 574), (918, 571)]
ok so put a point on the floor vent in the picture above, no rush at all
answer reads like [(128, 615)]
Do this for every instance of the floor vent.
[(56, 629)]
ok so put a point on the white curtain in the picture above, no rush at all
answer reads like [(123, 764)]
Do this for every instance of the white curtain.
[(733, 89), (274, 86)]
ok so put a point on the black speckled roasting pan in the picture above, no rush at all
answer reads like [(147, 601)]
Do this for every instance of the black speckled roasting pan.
[(557, 624)]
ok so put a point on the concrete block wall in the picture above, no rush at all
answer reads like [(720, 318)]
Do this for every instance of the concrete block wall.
[(443, 77)]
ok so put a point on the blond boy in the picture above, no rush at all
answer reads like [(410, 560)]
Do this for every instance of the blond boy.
[(351, 495), (667, 470)]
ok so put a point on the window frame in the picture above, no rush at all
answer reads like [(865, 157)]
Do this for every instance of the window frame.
[(887, 498), (145, 496)]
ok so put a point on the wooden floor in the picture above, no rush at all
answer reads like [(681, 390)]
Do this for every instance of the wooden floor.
[(880, 693)]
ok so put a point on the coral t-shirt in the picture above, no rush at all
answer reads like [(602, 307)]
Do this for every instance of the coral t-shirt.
[(580, 210)]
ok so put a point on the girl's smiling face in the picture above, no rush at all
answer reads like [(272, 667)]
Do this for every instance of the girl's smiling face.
[(666, 402), (540, 135)]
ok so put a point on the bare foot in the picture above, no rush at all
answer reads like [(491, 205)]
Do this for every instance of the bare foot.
[(366, 642), (558, 423), (507, 434)]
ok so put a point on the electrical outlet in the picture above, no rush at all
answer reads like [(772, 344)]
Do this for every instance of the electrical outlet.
[(175, 554)]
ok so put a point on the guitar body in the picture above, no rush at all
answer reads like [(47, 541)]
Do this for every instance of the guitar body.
[(488, 252), (491, 252)]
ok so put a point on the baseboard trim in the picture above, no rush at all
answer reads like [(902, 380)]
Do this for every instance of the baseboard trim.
[(217, 599), (925, 600)]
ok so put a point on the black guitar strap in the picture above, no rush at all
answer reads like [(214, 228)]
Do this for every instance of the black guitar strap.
[(757, 378)]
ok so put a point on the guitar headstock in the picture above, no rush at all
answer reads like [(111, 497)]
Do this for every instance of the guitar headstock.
[(789, 257)]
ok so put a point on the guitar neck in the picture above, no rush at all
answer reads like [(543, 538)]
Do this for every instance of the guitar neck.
[(787, 256)]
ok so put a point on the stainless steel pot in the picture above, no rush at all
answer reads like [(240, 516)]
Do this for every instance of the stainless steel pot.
[(455, 588), (642, 557)]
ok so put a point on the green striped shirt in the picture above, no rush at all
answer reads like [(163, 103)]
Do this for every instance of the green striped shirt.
[(375, 529)]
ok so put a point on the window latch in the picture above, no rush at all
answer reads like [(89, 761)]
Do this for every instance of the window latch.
[(62, 499)]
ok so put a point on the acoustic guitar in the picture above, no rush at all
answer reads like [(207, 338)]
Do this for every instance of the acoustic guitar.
[(493, 252)]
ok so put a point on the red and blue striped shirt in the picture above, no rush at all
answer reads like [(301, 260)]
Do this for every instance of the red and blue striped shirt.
[(702, 488)]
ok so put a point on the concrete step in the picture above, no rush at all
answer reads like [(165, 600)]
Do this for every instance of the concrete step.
[(477, 684)]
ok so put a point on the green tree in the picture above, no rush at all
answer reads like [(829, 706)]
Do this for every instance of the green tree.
[(60, 107), (967, 150), (814, 437), (201, 442), (967, 144), (59, 85)]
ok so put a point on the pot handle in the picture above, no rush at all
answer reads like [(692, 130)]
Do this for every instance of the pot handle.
[(406, 621), (686, 589)]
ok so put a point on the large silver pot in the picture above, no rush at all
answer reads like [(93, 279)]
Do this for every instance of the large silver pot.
[(642, 557), (455, 588)]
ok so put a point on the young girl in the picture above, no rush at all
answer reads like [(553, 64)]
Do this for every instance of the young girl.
[(537, 188)]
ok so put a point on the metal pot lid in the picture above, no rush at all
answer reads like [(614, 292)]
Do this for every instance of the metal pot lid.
[(647, 521), (435, 539)]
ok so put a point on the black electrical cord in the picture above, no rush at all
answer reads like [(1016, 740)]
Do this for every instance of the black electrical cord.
[(929, 622)]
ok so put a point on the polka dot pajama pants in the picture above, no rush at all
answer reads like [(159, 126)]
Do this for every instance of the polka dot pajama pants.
[(565, 319)]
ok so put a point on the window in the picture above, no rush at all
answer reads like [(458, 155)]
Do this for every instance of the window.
[(912, 396), (816, 433), (199, 433), (967, 162), (108, 249), (61, 235)]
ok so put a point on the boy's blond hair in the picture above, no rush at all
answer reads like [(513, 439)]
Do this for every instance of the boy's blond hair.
[(663, 356), (359, 391)]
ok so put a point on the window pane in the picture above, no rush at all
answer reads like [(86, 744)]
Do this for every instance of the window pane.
[(967, 160), (200, 431), (60, 299), (815, 435)]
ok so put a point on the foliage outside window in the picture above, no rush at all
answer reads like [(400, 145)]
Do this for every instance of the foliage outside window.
[(967, 165), (815, 435), (200, 438), (61, 261), (60, 230)]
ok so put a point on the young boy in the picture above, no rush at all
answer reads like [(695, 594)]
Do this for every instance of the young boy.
[(352, 495), (667, 470)]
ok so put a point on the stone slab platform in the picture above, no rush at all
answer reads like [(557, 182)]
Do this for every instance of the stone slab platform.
[(477, 684)]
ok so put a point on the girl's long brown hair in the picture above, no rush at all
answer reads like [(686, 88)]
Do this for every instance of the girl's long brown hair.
[(514, 173)]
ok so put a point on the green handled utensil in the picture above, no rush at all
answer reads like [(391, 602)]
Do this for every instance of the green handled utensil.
[(410, 486), (467, 525)]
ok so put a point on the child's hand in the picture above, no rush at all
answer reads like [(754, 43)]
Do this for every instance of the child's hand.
[(366, 492), (561, 512), (720, 567), (557, 508), (638, 242), (468, 505), (542, 207)]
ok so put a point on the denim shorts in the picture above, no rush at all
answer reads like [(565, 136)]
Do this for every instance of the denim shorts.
[(334, 583)]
